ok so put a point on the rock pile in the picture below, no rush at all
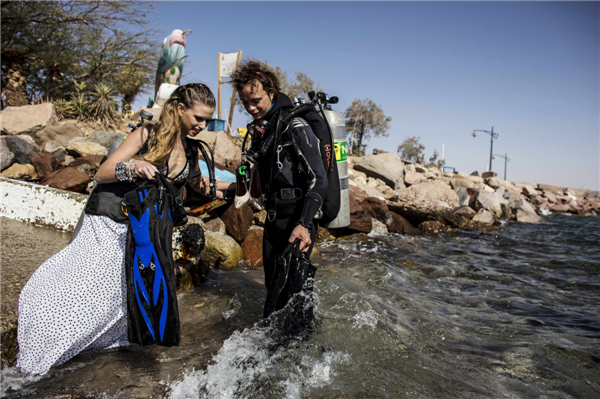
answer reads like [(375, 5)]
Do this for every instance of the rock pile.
[(385, 194)]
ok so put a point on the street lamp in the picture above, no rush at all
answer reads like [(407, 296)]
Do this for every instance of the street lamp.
[(494, 136), (506, 159)]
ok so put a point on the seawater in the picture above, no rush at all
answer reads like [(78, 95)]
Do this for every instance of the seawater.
[(514, 313)]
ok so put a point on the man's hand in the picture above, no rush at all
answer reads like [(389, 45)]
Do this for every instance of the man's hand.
[(301, 232)]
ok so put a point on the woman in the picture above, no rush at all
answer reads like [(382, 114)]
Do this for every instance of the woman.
[(77, 299)]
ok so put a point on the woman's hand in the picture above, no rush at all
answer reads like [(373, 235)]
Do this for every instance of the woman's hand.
[(301, 232), (143, 169)]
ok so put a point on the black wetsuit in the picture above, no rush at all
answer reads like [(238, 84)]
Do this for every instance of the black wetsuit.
[(295, 182)]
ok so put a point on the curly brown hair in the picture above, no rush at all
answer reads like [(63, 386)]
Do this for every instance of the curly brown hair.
[(253, 72)]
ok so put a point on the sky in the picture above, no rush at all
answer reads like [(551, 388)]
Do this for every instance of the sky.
[(530, 70)]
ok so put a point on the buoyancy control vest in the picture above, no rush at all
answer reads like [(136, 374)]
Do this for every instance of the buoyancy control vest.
[(278, 121)]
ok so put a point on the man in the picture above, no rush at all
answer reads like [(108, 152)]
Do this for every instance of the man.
[(293, 178)]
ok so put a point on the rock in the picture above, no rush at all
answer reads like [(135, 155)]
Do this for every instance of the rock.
[(387, 167), (463, 196), (409, 168), (44, 164), (106, 138), (260, 217), (486, 175), (420, 169), (515, 192), (190, 270), (56, 150), (27, 119), (252, 247), (434, 227), (493, 182), (357, 193), (378, 209), (528, 190), (457, 182), (559, 208), (378, 227), (361, 222), (68, 160), (60, 134), (369, 190), (400, 225), (238, 221), (488, 201), (77, 140), (434, 190), (549, 187), (68, 179), (93, 160), (465, 211), (487, 189), (213, 223), (221, 251), (476, 173), (21, 146), (19, 170), (500, 195), (461, 174), (525, 212), (411, 178), (550, 196), (484, 216), (85, 149), (6, 156), (477, 181)]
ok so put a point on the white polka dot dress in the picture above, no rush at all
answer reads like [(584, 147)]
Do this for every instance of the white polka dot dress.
[(76, 300)]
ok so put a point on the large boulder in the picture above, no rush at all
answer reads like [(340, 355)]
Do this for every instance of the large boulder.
[(221, 251), (361, 223), (528, 190), (488, 201), (487, 175), (21, 146), (68, 179), (363, 187), (28, 119), (387, 167), (238, 221), (44, 164), (252, 247), (86, 148), (19, 170), (434, 190), (60, 134), (524, 211), (6, 155), (106, 138)]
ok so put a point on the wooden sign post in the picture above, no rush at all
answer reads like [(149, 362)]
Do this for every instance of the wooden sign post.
[(228, 63)]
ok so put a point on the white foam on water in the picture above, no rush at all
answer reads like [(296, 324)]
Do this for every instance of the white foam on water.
[(546, 212), (250, 364), (235, 306), (14, 380)]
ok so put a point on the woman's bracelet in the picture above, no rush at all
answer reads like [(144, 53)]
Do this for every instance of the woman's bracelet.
[(124, 171)]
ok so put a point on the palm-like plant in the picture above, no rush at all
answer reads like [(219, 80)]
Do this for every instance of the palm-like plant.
[(103, 105)]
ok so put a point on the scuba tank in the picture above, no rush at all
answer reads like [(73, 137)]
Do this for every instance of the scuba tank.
[(336, 123)]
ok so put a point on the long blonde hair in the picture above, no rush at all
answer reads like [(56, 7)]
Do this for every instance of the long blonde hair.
[(162, 134)]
